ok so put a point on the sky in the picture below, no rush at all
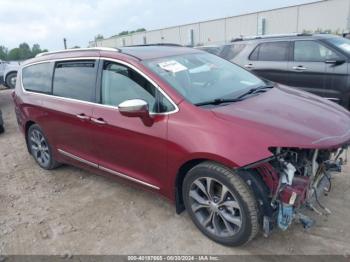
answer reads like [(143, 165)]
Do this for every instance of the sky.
[(47, 22)]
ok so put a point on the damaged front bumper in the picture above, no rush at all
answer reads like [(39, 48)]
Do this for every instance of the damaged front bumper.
[(294, 180)]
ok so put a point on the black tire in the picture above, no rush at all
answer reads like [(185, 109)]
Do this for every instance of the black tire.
[(44, 158), (11, 80), (247, 209), (2, 129)]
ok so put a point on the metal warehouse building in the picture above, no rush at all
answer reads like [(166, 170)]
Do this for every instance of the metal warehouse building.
[(328, 15)]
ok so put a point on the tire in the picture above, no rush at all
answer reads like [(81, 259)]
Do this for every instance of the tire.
[(11, 80), (40, 149), (2, 129), (235, 214)]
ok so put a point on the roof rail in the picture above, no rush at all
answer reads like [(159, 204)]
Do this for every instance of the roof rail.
[(268, 36), (79, 50), (157, 44)]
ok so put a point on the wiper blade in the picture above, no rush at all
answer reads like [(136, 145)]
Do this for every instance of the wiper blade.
[(218, 101), (254, 91)]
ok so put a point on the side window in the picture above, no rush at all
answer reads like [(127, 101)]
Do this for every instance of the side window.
[(312, 51), (37, 78), (273, 51), (75, 79), (120, 83)]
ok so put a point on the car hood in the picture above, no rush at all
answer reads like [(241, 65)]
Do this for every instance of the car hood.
[(287, 117)]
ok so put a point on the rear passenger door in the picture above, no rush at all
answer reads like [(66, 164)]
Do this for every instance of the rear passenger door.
[(69, 108), (269, 60)]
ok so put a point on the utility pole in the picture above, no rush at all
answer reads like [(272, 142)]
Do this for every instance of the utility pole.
[(65, 43)]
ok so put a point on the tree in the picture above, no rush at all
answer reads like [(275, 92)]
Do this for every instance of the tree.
[(99, 37), (123, 33), (22, 52), (14, 54), (25, 51), (3, 52), (36, 49)]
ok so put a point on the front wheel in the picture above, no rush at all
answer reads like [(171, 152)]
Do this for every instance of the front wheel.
[(40, 148), (11, 80), (221, 204)]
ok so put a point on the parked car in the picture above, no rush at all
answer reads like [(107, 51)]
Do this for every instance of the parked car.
[(10, 74), (315, 63), (2, 129), (2, 69), (240, 154)]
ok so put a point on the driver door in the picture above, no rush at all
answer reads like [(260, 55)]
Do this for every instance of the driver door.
[(129, 147)]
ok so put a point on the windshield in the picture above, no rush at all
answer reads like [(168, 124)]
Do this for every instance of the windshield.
[(200, 77), (341, 43)]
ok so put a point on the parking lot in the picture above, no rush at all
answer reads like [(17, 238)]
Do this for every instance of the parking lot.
[(71, 211)]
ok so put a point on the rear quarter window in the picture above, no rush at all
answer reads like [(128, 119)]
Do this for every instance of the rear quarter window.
[(271, 51), (37, 78)]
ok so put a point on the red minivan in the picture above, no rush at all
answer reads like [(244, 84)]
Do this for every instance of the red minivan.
[(240, 154)]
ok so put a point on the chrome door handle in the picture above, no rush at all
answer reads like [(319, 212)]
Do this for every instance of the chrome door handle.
[(99, 121), (249, 66), (299, 68), (82, 116)]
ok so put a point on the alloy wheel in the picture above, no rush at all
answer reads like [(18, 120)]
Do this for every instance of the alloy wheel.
[(39, 147), (215, 207)]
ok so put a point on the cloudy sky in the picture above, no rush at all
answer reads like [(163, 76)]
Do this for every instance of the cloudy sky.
[(47, 22)]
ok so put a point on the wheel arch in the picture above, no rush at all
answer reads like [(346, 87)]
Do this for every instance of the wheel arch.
[(8, 73), (27, 125), (187, 166)]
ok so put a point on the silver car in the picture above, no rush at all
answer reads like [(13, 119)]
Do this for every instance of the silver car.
[(8, 73)]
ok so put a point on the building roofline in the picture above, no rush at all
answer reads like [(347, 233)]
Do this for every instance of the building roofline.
[(211, 20)]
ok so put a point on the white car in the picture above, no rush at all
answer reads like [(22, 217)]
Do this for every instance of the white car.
[(8, 73)]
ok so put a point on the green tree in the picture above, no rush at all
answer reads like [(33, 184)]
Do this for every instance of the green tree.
[(99, 37), (123, 33), (36, 49), (14, 54), (25, 51), (140, 30), (3, 53)]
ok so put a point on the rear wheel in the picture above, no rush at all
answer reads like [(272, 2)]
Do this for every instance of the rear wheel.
[(11, 80), (40, 148), (221, 204)]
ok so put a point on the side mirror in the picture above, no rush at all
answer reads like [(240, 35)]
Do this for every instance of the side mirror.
[(134, 108)]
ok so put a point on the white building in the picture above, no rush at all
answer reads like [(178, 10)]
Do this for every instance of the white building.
[(326, 15)]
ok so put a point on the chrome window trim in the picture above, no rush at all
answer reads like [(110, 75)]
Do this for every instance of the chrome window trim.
[(92, 103), (65, 153)]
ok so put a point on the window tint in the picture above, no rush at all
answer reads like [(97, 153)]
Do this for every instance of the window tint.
[(75, 79), (38, 77), (120, 83), (275, 51), (312, 51)]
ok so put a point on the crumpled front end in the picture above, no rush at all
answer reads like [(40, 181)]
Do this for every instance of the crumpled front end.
[(296, 179)]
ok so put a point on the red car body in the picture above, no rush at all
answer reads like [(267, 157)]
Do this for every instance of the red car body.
[(158, 155)]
